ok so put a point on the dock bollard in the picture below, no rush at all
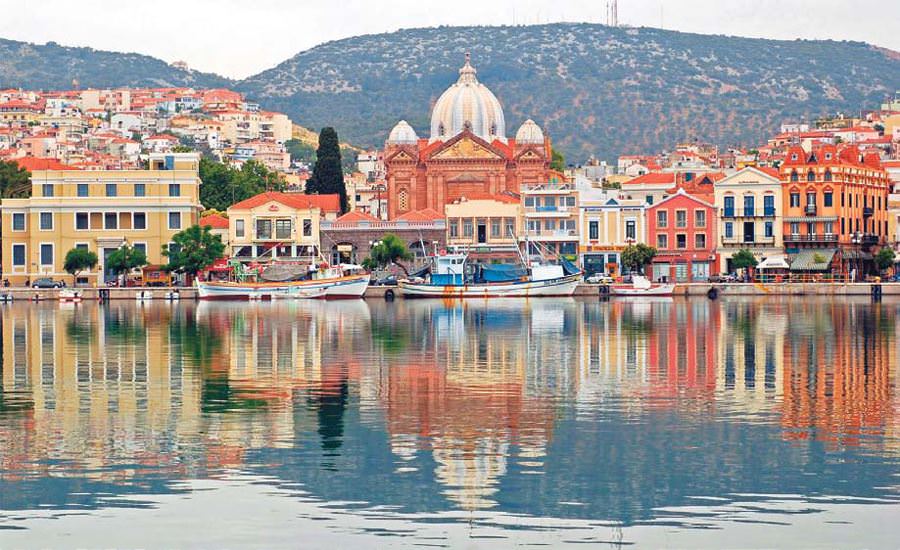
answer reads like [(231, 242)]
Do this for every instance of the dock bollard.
[(876, 292)]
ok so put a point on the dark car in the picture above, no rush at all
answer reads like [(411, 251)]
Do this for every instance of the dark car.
[(390, 280), (47, 283)]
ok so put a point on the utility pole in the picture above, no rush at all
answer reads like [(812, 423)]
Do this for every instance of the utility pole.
[(612, 15)]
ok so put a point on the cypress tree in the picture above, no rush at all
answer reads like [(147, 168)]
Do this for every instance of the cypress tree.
[(327, 176)]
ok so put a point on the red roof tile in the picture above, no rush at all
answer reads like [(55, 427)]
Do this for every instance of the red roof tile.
[(37, 163), (327, 203), (426, 215), (480, 196), (355, 217), (654, 178), (215, 221)]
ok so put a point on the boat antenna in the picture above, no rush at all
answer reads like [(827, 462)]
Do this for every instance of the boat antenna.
[(519, 250)]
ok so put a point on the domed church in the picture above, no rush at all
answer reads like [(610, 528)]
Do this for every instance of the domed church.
[(467, 153)]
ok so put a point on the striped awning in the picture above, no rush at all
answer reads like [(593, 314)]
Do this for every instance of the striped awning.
[(810, 218), (813, 259)]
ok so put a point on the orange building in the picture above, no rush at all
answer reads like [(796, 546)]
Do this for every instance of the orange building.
[(835, 204), (467, 153)]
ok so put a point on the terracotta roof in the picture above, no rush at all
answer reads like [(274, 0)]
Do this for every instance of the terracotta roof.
[(653, 177), (215, 221), (327, 203), (426, 215), (768, 170), (356, 216), (37, 163), (480, 196)]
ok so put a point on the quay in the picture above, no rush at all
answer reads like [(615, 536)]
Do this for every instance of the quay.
[(584, 290)]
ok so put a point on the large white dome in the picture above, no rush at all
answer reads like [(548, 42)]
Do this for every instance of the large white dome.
[(403, 133), (468, 103)]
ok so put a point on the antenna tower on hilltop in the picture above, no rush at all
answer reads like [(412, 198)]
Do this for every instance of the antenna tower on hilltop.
[(612, 13)]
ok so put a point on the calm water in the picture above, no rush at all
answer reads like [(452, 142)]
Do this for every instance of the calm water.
[(756, 423)]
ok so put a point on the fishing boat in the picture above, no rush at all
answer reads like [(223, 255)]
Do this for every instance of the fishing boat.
[(453, 276), (328, 282), (69, 297), (641, 286)]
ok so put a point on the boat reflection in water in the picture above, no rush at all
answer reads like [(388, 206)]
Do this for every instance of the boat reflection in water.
[(523, 416)]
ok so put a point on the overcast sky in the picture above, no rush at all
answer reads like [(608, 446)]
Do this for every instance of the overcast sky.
[(238, 38)]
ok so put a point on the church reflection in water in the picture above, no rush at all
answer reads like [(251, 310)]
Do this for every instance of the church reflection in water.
[(471, 399)]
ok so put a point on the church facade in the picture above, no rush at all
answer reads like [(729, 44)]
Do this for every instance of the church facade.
[(466, 155)]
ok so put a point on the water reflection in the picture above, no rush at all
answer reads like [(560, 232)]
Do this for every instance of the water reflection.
[(616, 412)]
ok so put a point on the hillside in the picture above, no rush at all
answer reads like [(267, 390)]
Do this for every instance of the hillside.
[(55, 67), (595, 89)]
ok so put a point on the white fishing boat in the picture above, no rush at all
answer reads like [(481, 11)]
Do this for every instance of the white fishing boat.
[(452, 279), (68, 296), (330, 282), (641, 286)]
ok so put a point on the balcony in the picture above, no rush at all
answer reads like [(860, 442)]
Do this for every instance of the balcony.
[(868, 212), (810, 210), (797, 238), (744, 213), (742, 242)]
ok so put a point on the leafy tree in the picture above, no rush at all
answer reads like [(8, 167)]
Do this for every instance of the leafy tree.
[(15, 181), (328, 175), (300, 151), (743, 259), (223, 185), (885, 258), (557, 160), (78, 260), (194, 250), (125, 258), (388, 251), (636, 256)]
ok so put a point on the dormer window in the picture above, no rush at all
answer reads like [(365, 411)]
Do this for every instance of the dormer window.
[(794, 156), (441, 129), (795, 176), (810, 176), (827, 156), (494, 129)]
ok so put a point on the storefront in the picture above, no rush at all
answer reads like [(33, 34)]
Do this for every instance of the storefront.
[(601, 262)]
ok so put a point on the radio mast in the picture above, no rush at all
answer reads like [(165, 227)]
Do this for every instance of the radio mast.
[(612, 13)]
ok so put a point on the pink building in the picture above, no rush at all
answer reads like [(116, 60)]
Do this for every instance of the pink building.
[(682, 227)]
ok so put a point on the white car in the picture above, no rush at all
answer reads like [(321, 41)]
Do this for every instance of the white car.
[(599, 279)]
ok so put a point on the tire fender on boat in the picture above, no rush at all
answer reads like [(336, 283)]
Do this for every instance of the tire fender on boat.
[(389, 295), (712, 293)]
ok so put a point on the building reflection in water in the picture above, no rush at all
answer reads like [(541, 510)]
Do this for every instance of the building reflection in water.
[(473, 391)]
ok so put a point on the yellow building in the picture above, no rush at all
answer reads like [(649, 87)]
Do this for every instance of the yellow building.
[(609, 223), (483, 221), (100, 211), (279, 225)]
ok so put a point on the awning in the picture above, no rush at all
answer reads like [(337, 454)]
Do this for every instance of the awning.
[(810, 218), (857, 255), (813, 259), (774, 262)]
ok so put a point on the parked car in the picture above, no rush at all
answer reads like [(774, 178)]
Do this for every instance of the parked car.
[(390, 280), (46, 282), (599, 279)]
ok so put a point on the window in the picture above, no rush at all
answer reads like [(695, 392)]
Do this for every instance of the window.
[(795, 228), (529, 202), (174, 220), (83, 190), (649, 199), (46, 254), (810, 198), (239, 228), (769, 229), (829, 228), (769, 205), (794, 175), (307, 227), (729, 207), (82, 221), (110, 220), (550, 203), (829, 199), (662, 241), (729, 230), (630, 229), (593, 230), (700, 240), (140, 190), (811, 228), (139, 220), (82, 246), (681, 240), (662, 218), (495, 228), (46, 221), (111, 190), (795, 199), (749, 204), (18, 253), (467, 228), (570, 201), (264, 229), (453, 224), (681, 218), (174, 189), (47, 190), (18, 221), (700, 218), (509, 228), (810, 176), (141, 246), (282, 229), (828, 172)]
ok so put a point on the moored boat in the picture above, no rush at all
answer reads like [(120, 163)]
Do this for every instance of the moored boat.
[(337, 286), (68, 296), (641, 286)]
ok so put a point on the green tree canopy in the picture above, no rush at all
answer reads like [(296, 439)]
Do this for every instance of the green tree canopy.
[(557, 161), (223, 185), (328, 175), (743, 259), (124, 259), (636, 256), (15, 181), (78, 260), (390, 250), (885, 258), (194, 249)]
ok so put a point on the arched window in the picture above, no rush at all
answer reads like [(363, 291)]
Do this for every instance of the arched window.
[(810, 176), (827, 175), (441, 129), (403, 200), (494, 129), (795, 176)]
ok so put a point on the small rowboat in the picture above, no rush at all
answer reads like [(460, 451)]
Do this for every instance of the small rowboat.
[(69, 297), (641, 286)]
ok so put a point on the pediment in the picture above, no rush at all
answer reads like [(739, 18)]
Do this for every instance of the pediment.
[(467, 146), (529, 154), (401, 156), (466, 177)]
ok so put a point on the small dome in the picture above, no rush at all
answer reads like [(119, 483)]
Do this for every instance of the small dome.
[(403, 133), (467, 104), (530, 132)]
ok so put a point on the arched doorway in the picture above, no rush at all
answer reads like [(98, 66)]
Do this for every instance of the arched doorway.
[(344, 253)]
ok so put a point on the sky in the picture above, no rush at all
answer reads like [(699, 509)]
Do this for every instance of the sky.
[(238, 38)]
